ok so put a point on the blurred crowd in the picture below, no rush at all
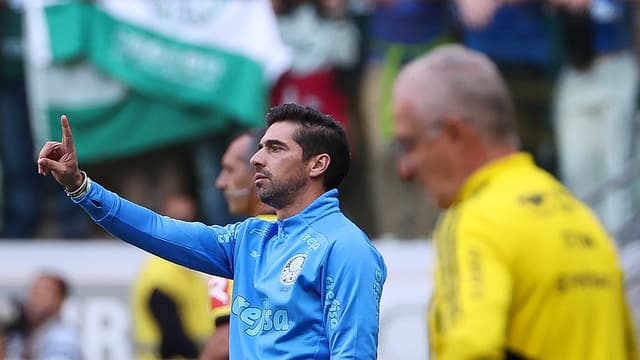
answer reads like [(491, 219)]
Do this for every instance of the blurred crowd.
[(571, 66)]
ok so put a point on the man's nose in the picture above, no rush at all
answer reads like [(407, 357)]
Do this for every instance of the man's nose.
[(256, 159), (405, 168), (219, 183)]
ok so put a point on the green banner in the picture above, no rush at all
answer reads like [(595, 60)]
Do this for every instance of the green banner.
[(176, 91), (134, 125)]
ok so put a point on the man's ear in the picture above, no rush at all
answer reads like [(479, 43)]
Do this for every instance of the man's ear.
[(458, 130), (452, 127), (318, 165), (463, 137)]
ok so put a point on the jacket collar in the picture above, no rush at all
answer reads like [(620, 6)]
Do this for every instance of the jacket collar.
[(325, 204)]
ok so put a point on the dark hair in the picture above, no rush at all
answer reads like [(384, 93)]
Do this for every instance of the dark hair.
[(317, 134), (63, 286), (254, 134)]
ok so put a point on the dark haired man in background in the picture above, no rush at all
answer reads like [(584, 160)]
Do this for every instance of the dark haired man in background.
[(236, 181)]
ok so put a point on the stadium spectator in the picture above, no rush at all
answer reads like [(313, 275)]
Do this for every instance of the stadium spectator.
[(236, 182), (21, 186), (309, 283), (523, 269), (24, 194), (44, 335), (397, 31), (596, 101), (169, 302), (499, 29), (322, 38)]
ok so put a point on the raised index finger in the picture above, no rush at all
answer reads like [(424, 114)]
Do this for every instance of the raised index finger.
[(67, 138)]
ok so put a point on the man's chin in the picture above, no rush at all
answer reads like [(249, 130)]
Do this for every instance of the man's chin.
[(441, 202)]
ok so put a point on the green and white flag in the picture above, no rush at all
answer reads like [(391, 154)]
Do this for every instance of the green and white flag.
[(134, 75)]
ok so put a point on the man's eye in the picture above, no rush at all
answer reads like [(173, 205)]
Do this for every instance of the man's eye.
[(404, 145)]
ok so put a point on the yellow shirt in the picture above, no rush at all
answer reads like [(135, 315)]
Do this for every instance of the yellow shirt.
[(187, 288), (524, 268)]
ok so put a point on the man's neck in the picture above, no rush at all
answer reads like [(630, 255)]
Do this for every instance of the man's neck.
[(263, 209), (40, 323), (304, 199)]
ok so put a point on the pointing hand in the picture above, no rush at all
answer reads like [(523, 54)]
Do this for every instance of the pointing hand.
[(60, 159)]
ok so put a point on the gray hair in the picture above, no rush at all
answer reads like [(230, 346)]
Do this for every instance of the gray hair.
[(465, 83)]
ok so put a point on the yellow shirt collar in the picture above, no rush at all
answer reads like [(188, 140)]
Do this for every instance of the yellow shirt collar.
[(268, 217), (485, 173)]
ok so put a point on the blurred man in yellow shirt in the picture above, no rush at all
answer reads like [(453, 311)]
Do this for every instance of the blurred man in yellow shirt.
[(524, 270)]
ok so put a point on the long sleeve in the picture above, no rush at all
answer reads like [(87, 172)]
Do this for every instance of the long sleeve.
[(209, 249), (479, 303), (353, 281), (468, 316)]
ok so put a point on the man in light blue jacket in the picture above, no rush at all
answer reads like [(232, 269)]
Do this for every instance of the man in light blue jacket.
[(308, 285)]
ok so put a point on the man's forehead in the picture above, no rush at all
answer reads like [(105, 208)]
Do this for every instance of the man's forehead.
[(280, 132), (240, 144), (45, 281), (405, 116), (238, 151)]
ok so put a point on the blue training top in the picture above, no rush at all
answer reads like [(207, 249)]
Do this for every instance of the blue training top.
[(307, 287)]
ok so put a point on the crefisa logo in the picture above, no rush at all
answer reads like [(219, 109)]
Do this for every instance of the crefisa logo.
[(292, 269)]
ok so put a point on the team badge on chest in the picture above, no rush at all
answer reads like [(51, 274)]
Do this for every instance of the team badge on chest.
[(292, 269)]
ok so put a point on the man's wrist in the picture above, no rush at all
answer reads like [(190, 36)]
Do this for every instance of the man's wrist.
[(77, 183), (80, 190)]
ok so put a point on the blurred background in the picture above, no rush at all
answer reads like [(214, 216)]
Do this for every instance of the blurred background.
[(155, 89)]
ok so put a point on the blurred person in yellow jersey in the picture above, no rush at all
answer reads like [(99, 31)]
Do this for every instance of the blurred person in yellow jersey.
[(170, 303), (524, 270), (236, 181)]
